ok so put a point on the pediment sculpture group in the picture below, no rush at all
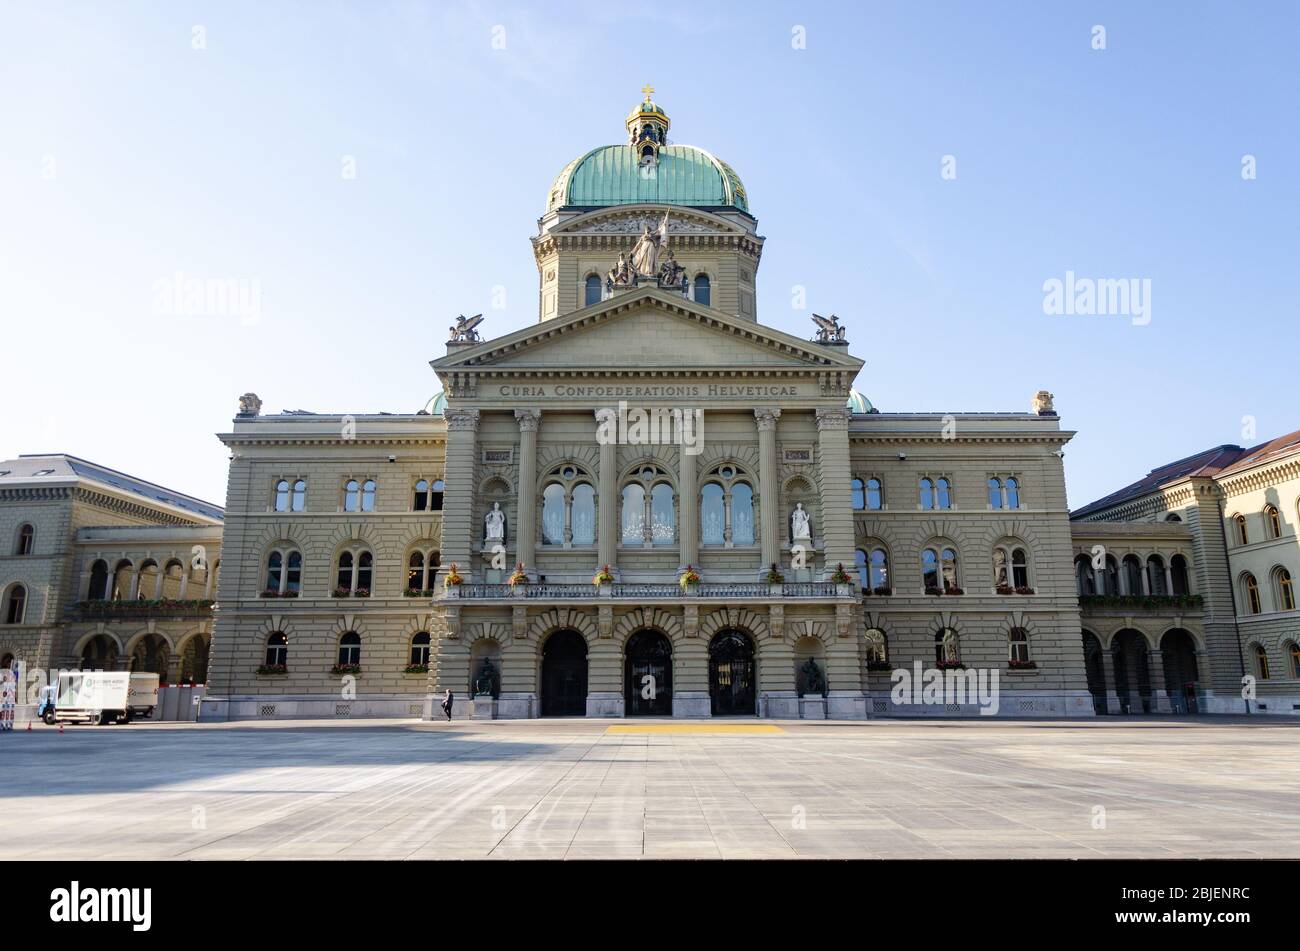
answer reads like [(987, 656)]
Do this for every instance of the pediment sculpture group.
[(650, 260)]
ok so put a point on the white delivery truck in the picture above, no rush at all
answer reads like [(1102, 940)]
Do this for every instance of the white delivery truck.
[(102, 696)]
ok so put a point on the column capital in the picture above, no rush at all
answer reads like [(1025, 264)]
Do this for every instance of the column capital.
[(528, 419), (459, 420), (766, 417), (832, 418)]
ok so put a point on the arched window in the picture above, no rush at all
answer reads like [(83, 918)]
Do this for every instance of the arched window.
[(1109, 581), (1293, 651), (1178, 572), (98, 581), (742, 514), (123, 581), (935, 493), (995, 493), (1132, 574), (1272, 521), (1173, 517), (1250, 593), (593, 290), (947, 648), (877, 647), (422, 571), (1283, 589), (713, 514), (860, 561), (290, 495), (663, 517), (727, 507), (15, 604), (1018, 645), (1085, 581), (350, 649), (1261, 662), (875, 494), (420, 649), (1239, 529), (26, 536), (283, 574), (355, 574), (1156, 576), (277, 650), (427, 496), (568, 507), (939, 570), (1013, 493), (553, 514), (703, 291), (1011, 567), (857, 494), (879, 565), (359, 496)]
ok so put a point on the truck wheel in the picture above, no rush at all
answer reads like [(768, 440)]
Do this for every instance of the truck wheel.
[(125, 718), (48, 718)]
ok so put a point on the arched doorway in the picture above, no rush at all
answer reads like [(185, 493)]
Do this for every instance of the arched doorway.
[(564, 675), (100, 653), (1181, 673), (194, 660), (1132, 676), (1095, 667), (648, 675), (151, 656), (732, 675)]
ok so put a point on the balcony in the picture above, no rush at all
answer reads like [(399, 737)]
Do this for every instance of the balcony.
[(640, 593), (142, 608)]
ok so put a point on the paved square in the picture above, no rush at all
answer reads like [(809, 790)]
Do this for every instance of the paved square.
[(1177, 788)]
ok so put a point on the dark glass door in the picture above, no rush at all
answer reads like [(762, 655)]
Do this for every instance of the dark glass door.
[(564, 675), (648, 688), (731, 675)]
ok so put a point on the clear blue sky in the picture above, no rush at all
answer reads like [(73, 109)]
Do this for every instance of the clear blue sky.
[(126, 155)]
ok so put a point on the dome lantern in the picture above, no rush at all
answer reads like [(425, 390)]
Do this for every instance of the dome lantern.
[(647, 129)]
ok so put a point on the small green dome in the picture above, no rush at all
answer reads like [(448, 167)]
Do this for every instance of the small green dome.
[(684, 175), (436, 405), (857, 403)]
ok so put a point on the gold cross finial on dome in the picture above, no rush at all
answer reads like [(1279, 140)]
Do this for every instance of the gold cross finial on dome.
[(647, 89)]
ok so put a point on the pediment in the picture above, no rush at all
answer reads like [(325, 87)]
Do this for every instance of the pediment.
[(645, 330)]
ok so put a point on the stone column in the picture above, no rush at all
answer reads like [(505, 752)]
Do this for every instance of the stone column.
[(768, 491), (688, 500), (525, 529), (836, 505), (1112, 688), (1156, 671), (459, 528), (607, 499)]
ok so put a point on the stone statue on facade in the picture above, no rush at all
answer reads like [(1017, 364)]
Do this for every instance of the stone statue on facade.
[(813, 681), (464, 329), (494, 524), (1042, 404), (645, 253), (486, 684), (620, 275), (800, 524), (250, 405), (671, 274), (829, 329)]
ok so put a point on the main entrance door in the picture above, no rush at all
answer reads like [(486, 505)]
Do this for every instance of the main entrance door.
[(564, 675), (648, 677), (731, 675)]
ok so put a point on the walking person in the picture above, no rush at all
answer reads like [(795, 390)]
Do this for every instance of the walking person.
[(446, 704)]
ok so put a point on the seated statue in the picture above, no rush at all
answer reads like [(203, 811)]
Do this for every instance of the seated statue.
[(486, 684), (813, 681)]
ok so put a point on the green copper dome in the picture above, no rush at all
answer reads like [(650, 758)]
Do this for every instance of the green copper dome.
[(436, 405), (857, 403), (683, 175)]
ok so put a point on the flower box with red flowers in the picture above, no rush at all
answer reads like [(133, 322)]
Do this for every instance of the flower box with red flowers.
[(416, 669), (421, 593), (1022, 665), (882, 590), (950, 665), (272, 670), (954, 590), (343, 669)]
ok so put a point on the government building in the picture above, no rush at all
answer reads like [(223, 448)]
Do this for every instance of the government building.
[(648, 503)]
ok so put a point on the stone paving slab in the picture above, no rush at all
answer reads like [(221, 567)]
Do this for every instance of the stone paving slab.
[(585, 789)]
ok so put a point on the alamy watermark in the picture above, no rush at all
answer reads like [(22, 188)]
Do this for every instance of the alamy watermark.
[(655, 426), (1099, 297)]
